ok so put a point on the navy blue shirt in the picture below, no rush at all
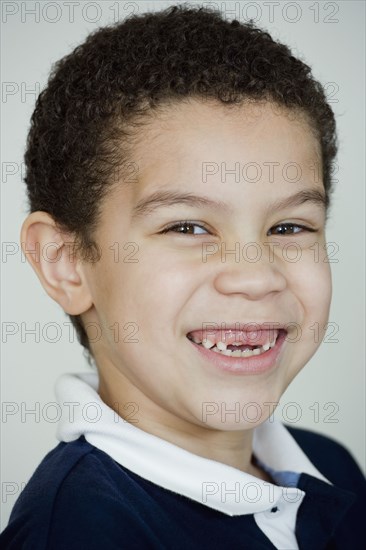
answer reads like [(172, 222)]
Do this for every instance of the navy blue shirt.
[(80, 498)]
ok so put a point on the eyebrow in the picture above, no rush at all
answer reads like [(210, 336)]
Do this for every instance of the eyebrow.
[(312, 196), (164, 199)]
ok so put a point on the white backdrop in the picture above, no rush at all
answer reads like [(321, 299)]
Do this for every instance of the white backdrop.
[(329, 394)]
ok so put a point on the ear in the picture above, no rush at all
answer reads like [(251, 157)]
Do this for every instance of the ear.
[(52, 258)]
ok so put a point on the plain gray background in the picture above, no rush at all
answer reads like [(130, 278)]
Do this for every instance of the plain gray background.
[(329, 394)]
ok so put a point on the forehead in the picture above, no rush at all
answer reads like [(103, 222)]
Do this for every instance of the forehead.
[(185, 135), (170, 148)]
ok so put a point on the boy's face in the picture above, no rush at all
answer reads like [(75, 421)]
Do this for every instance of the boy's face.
[(150, 289)]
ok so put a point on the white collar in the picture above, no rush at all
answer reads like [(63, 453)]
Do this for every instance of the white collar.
[(209, 482)]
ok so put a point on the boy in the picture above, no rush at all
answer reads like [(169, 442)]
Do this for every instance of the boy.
[(176, 279)]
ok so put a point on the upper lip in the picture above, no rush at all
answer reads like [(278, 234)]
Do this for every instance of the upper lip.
[(250, 326)]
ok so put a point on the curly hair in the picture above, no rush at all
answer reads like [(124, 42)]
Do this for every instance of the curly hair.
[(82, 128)]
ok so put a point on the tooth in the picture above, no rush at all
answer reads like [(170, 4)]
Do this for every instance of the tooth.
[(238, 353), (274, 338), (207, 343), (247, 353), (273, 342), (221, 346), (266, 346)]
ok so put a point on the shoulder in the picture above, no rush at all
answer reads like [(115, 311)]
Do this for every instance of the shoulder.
[(76, 490), (338, 465), (331, 458)]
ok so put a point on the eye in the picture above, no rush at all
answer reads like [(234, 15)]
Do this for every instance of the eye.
[(185, 228), (285, 227)]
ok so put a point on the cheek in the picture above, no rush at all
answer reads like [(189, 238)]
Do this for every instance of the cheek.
[(314, 293), (151, 292)]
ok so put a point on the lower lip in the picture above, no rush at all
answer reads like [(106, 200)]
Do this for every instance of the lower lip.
[(256, 364)]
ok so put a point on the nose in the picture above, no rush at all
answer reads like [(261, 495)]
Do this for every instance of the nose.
[(253, 278)]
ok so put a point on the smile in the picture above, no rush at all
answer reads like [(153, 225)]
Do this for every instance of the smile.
[(239, 358), (236, 349)]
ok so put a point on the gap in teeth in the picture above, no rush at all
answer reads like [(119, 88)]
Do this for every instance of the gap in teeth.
[(221, 347)]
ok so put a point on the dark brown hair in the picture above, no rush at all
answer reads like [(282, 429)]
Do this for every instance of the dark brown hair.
[(81, 129)]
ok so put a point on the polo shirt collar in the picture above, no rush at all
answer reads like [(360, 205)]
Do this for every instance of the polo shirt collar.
[(209, 482)]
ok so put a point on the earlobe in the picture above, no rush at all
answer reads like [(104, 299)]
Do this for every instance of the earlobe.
[(51, 255)]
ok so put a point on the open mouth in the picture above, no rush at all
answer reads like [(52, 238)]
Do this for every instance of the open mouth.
[(238, 349)]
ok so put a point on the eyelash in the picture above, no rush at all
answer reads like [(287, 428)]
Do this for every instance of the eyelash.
[(188, 222)]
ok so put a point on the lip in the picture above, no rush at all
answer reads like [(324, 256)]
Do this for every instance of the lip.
[(257, 364)]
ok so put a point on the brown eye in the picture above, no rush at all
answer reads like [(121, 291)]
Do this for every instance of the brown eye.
[(288, 229), (185, 228)]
